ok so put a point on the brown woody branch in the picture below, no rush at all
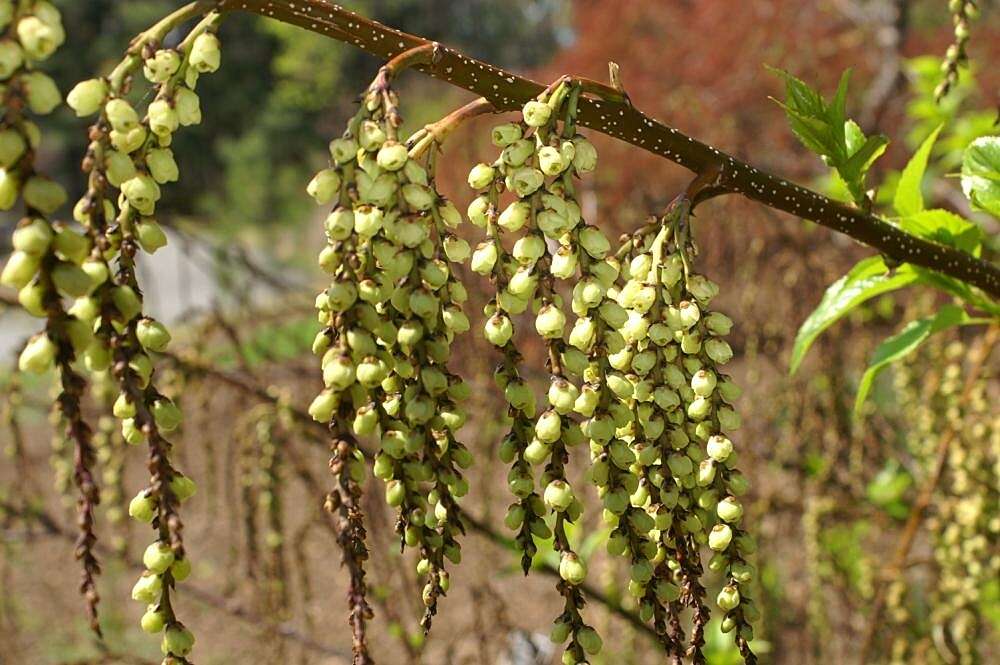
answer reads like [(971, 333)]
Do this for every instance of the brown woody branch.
[(616, 117)]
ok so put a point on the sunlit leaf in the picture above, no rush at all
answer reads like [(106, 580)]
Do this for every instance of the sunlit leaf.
[(867, 279), (906, 342), (909, 198), (981, 174)]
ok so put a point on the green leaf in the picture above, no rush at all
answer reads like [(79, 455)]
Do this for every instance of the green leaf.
[(867, 279), (904, 343), (909, 199), (981, 174), (854, 170), (944, 227)]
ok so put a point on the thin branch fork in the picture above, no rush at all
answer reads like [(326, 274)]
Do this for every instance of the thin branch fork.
[(615, 116)]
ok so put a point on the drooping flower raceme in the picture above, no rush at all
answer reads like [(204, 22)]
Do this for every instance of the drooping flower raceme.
[(389, 317)]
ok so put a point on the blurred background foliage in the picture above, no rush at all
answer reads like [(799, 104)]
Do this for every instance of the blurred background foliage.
[(830, 492)]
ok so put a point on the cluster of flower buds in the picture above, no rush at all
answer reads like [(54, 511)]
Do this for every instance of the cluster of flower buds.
[(538, 160), (690, 408), (389, 318), (965, 519), (32, 31), (963, 13), (130, 154), (49, 262)]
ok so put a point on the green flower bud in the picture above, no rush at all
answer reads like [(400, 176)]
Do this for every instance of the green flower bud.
[(564, 263), (158, 557), (343, 150), (340, 373), (572, 569), (183, 487), (38, 355), (143, 368), (706, 473), (126, 301), (130, 141), (163, 65), (525, 181), (515, 216), (562, 395), (703, 382), (484, 258), (600, 428), (152, 334), (550, 322), (718, 324), (163, 118), (395, 493), (20, 270), (517, 153), (702, 288), (590, 641), (729, 598), (142, 507), (392, 156), (33, 237), (719, 448), (11, 58), (371, 136), (12, 146), (481, 176), (206, 53), (504, 135), (162, 165), (560, 632), (478, 211), (548, 427), (121, 115), (730, 509), (583, 334), (177, 641), (594, 242), (152, 621), (719, 351), (10, 188), (550, 161), (720, 537), (39, 38), (585, 155), (324, 186), (536, 113), (44, 194), (419, 197), (166, 414), (32, 299), (558, 495), (150, 235), (188, 107), (537, 452), (142, 193), (148, 588)]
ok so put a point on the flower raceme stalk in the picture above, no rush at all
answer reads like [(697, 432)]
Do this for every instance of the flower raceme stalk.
[(537, 164), (48, 262), (389, 317), (128, 159)]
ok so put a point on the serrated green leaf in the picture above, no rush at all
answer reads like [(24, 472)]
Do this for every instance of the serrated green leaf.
[(944, 227), (909, 199), (868, 278), (837, 112), (981, 174), (904, 343), (854, 170)]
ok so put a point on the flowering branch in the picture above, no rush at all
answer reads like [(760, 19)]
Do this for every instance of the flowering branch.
[(614, 115)]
